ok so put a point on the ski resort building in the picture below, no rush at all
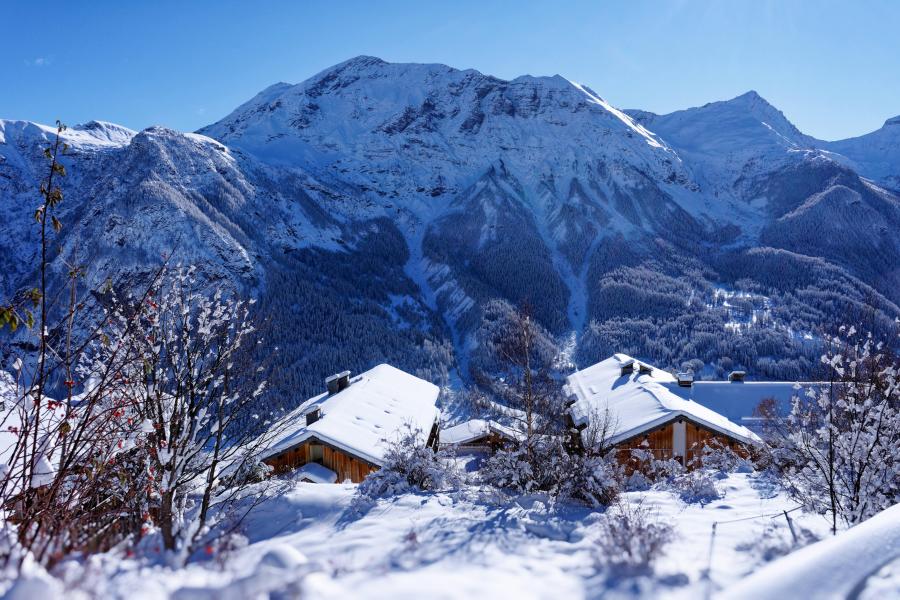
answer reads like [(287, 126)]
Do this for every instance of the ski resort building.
[(638, 406), (342, 434), (478, 436)]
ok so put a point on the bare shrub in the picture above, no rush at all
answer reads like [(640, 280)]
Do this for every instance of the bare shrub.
[(776, 541), (632, 539)]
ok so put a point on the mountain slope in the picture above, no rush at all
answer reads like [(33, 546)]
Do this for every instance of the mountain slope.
[(810, 200), (875, 155), (374, 208)]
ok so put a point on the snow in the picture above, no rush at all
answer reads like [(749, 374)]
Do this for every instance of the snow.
[(838, 567), (10, 422), (875, 155), (94, 135), (474, 429), (306, 541), (360, 418), (649, 136), (638, 402), (12, 409), (315, 473)]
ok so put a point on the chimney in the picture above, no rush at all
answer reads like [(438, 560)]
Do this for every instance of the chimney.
[(685, 379), (336, 383), (628, 368), (313, 416), (737, 376), (645, 369)]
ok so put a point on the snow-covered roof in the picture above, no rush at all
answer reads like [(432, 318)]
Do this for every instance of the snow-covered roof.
[(316, 473), (738, 401), (475, 429), (362, 417), (637, 402)]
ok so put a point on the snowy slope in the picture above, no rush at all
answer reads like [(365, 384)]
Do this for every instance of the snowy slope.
[(731, 144), (441, 149), (430, 130), (307, 542), (792, 191), (838, 567), (875, 155)]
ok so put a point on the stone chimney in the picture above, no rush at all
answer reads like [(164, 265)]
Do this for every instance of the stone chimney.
[(338, 382)]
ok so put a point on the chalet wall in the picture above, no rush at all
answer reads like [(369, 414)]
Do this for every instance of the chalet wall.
[(345, 465), (486, 444), (658, 441), (661, 443)]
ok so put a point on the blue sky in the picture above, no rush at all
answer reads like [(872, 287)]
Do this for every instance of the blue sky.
[(831, 67)]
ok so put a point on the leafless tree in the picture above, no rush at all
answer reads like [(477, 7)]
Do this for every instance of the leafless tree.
[(838, 449), (521, 356)]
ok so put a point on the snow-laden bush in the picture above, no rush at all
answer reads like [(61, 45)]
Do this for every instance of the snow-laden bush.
[(691, 485), (248, 473), (548, 465), (410, 465), (648, 470), (696, 485), (594, 480), (722, 459), (637, 482), (509, 470), (631, 540)]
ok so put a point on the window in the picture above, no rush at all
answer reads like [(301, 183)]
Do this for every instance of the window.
[(316, 453)]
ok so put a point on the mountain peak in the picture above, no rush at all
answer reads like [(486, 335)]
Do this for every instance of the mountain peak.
[(750, 105), (750, 100), (892, 121), (358, 62), (751, 95)]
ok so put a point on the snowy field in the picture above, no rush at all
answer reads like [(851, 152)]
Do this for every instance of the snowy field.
[(305, 539)]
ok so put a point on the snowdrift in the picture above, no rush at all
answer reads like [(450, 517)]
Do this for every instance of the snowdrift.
[(834, 568)]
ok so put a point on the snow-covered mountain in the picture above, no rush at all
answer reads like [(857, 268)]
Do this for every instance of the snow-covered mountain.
[(813, 200), (374, 208), (875, 155)]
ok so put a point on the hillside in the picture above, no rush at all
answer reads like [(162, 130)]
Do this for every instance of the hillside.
[(375, 208)]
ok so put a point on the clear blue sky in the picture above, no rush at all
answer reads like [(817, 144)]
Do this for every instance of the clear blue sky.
[(833, 68)]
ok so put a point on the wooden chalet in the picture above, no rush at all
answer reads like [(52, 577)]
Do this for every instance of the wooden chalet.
[(478, 436), (644, 407), (341, 434)]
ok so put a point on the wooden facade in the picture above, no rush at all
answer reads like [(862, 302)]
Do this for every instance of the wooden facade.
[(489, 443), (699, 437), (658, 441), (345, 465), (681, 439)]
